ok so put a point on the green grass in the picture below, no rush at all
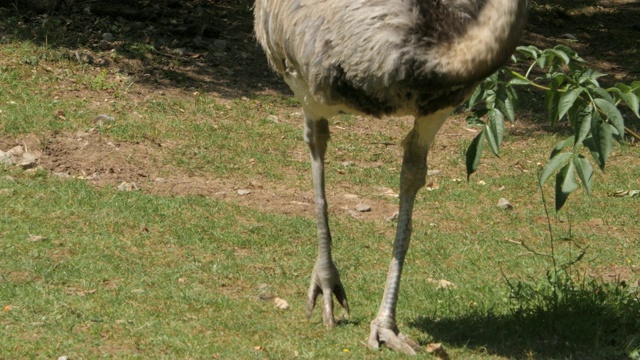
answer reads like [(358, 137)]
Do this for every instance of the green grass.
[(137, 274)]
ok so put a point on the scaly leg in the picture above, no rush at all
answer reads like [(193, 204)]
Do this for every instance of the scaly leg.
[(325, 278), (412, 177)]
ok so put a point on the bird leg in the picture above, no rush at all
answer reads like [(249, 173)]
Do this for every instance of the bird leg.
[(325, 278), (412, 178)]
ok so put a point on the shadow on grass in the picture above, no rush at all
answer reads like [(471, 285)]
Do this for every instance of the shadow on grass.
[(593, 322)]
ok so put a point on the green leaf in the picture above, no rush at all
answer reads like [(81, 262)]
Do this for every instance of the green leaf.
[(529, 51), (551, 105), (612, 113), (561, 145), (582, 123), (572, 54), (565, 184), (505, 103), (567, 99), (495, 130), (474, 153), (632, 102), (591, 145), (542, 61), (602, 139), (477, 96), (603, 94), (584, 170), (474, 118), (626, 94), (590, 76), (490, 98), (519, 81), (561, 54), (553, 165)]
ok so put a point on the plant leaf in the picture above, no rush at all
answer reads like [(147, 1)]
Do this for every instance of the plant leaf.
[(477, 95), (591, 145), (561, 54), (565, 184), (553, 165), (496, 124), (603, 94), (584, 170), (551, 105), (474, 153), (626, 94), (602, 139), (567, 99), (494, 131), (506, 104), (519, 81), (561, 145), (612, 113), (530, 51), (582, 124)]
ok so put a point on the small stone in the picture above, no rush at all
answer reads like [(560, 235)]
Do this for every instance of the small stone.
[(569, 36), (504, 204), (437, 350), (5, 158), (103, 119), (126, 186), (244, 192), (61, 175), (36, 238), (393, 217), (7, 192), (280, 303), (28, 161), (108, 37), (16, 151), (432, 186), (363, 207)]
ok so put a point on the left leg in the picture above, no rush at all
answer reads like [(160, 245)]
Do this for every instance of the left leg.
[(325, 279)]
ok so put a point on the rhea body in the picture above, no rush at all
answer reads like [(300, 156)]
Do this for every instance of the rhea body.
[(382, 57)]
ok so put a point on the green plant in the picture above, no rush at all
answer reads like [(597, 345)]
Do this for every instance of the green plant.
[(572, 93), (566, 300)]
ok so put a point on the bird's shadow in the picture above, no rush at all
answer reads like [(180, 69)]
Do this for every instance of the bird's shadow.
[(584, 326)]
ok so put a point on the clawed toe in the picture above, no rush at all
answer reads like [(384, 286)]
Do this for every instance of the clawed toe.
[(392, 338), (327, 289)]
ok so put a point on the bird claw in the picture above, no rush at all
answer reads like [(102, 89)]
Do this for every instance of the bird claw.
[(327, 286), (392, 338)]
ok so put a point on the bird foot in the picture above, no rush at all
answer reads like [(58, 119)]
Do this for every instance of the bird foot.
[(325, 281), (392, 338)]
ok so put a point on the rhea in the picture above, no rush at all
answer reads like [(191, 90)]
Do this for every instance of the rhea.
[(379, 58)]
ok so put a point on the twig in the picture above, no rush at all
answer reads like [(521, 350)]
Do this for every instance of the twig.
[(632, 133), (382, 143), (521, 243)]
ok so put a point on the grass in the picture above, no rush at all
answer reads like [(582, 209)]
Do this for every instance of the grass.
[(145, 275)]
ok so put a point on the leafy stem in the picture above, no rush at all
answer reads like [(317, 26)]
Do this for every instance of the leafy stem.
[(572, 94)]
